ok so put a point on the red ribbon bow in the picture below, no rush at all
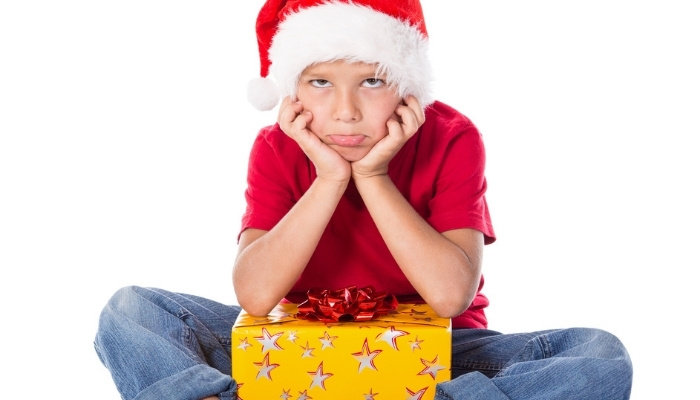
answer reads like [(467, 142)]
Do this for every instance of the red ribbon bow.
[(349, 304)]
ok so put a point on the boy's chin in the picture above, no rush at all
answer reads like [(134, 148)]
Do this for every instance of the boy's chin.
[(352, 155)]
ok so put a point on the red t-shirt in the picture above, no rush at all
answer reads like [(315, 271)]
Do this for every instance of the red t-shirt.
[(440, 171)]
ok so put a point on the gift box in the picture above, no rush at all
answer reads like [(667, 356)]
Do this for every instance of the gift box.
[(400, 355)]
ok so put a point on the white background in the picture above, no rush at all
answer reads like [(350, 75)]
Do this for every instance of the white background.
[(125, 132)]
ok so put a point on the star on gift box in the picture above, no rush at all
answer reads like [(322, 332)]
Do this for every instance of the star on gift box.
[(390, 336), (238, 386), (285, 394), (244, 344), (410, 395), (269, 342), (318, 377), (303, 396), (370, 395), (308, 351), (366, 357), (265, 368), (431, 367), (415, 344), (327, 341)]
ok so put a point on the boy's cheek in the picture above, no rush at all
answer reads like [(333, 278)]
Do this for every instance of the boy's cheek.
[(315, 129)]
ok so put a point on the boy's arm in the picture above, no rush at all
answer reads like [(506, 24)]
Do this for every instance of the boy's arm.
[(270, 262), (444, 268)]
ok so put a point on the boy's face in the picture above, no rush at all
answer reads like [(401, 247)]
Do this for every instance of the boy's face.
[(350, 105)]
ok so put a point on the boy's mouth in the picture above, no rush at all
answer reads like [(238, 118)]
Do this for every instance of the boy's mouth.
[(347, 140)]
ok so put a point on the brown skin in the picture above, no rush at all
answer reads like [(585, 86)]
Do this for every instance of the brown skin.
[(350, 125)]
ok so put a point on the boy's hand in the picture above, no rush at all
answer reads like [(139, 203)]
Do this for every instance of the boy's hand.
[(294, 121), (410, 116)]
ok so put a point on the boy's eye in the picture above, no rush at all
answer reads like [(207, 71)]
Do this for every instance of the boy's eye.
[(373, 82), (320, 83)]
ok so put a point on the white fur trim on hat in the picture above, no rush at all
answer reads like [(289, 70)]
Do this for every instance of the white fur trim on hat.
[(346, 31)]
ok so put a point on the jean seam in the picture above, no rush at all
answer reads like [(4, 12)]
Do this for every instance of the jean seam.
[(478, 365), (230, 394), (439, 391), (545, 346)]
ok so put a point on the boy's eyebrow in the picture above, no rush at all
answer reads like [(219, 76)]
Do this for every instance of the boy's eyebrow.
[(311, 73)]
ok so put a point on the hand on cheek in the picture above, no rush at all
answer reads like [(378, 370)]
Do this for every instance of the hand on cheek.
[(294, 121), (401, 126)]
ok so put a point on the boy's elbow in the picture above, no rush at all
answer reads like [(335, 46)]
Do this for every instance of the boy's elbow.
[(258, 303), (449, 306), (256, 307)]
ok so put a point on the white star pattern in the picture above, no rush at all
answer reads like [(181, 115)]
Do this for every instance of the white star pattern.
[(285, 395), (269, 342), (410, 395), (238, 386), (431, 367), (415, 344), (319, 378), (370, 395), (244, 344), (265, 368), (308, 351), (327, 341), (292, 336), (390, 336), (303, 396), (366, 357)]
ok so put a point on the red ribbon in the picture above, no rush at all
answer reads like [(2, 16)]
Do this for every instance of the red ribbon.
[(349, 304)]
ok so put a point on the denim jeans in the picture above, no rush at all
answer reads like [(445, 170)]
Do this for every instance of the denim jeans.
[(163, 345)]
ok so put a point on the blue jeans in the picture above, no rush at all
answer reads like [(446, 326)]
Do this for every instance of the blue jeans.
[(163, 345)]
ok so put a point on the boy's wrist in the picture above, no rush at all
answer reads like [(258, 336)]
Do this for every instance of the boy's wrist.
[(330, 182), (373, 179)]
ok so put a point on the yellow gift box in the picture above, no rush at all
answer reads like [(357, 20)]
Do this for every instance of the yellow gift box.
[(401, 355)]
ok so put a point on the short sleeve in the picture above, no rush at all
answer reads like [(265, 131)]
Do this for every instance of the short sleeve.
[(459, 199), (278, 175)]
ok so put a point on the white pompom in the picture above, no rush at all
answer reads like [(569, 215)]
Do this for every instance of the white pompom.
[(263, 93)]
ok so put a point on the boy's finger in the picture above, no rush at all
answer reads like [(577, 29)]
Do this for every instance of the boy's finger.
[(412, 103), (283, 107), (288, 114), (409, 119), (301, 121), (395, 131)]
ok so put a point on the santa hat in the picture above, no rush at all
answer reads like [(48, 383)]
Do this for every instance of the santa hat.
[(293, 34)]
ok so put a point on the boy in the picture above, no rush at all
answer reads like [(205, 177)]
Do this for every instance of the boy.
[(364, 181)]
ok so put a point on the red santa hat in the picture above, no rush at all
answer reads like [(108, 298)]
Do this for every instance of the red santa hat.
[(293, 34)]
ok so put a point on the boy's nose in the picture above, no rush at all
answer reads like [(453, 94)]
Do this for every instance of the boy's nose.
[(346, 107)]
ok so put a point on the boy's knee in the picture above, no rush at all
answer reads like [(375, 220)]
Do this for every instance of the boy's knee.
[(123, 299), (602, 344), (125, 303)]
